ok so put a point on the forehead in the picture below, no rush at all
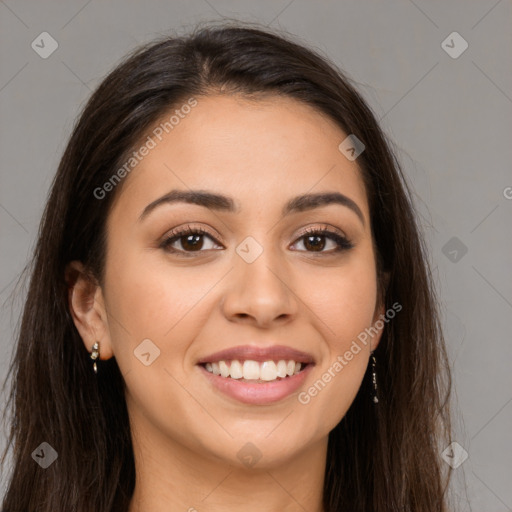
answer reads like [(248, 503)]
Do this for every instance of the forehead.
[(260, 152)]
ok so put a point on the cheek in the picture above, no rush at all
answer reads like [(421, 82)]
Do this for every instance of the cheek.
[(352, 308), (148, 299), (344, 299)]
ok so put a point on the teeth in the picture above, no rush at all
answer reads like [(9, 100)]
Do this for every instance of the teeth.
[(281, 369), (251, 370), (224, 369), (269, 370), (236, 370), (254, 370)]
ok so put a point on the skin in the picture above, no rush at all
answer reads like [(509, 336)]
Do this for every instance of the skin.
[(186, 434)]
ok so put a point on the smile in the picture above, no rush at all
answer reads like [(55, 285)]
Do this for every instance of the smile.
[(256, 375), (254, 371)]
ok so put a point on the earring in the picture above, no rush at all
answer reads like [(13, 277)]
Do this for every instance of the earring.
[(95, 354), (374, 379)]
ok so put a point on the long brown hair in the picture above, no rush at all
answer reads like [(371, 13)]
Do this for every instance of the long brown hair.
[(380, 458)]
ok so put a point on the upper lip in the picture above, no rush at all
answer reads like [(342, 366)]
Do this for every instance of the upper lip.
[(260, 354)]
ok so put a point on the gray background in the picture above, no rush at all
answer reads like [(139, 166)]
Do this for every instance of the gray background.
[(450, 120)]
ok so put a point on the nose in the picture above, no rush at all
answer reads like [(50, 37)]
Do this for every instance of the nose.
[(260, 293)]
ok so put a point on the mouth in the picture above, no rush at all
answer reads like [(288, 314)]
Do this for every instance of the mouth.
[(257, 375), (254, 371)]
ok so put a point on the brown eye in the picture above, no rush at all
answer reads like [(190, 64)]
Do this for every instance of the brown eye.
[(190, 240), (315, 241)]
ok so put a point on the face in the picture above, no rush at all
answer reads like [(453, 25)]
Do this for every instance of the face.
[(256, 276)]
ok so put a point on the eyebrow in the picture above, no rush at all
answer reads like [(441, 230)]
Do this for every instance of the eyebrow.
[(223, 203)]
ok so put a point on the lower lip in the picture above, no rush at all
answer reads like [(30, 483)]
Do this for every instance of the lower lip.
[(254, 393)]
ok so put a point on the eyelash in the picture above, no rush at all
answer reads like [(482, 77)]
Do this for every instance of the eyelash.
[(342, 242)]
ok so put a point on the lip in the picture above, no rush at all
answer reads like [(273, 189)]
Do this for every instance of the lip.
[(257, 393), (253, 392), (260, 354)]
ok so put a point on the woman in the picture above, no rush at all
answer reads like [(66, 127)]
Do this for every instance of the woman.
[(231, 241)]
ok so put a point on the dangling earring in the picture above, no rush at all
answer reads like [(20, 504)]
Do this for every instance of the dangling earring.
[(374, 379), (95, 354)]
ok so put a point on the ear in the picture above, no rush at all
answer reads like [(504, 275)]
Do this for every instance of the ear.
[(87, 308)]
